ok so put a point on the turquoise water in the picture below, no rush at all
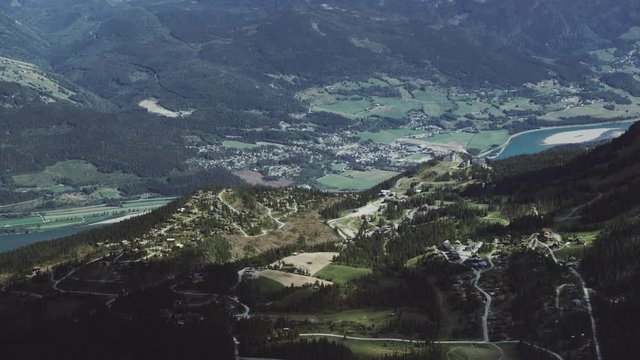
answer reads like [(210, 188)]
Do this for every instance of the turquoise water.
[(532, 142), (10, 242)]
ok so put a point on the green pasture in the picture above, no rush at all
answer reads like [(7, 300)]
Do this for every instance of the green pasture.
[(355, 180), (238, 145), (341, 274)]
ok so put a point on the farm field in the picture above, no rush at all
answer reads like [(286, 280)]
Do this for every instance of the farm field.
[(311, 263), (471, 352), (62, 218), (341, 274), (487, 139), (288, 279), (355, 180), (387, 136), (238, 145)]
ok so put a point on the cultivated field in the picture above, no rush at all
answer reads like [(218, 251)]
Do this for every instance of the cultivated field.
[(61, 218), (288, 279), (238, 145), (309, 262)]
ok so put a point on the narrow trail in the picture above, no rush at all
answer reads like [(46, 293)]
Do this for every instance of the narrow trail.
[(570, 215), (56, 283), (558, 291), (269, 214)]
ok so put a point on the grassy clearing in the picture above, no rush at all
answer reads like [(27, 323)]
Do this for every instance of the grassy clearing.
[(355, 180), (452, 138), (341, 274), (469, 352), (338, 167), (632, 34), (495, 217), (71, 172), (367, 350), (238, 145), (364, 317), (488, 139), (387, 136), (596, 110), (29, 75)]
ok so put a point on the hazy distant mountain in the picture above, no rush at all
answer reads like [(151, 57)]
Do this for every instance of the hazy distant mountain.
[(183, 50)]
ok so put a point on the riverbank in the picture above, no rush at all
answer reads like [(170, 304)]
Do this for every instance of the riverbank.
[(538, 142)]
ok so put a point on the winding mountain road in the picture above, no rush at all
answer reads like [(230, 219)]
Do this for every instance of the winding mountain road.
[(487, 304)]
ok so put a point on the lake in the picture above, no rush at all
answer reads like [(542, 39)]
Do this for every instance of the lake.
[(532, 142), (10, 242)]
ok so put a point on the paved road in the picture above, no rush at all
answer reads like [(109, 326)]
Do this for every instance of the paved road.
[(57, 282), (587, 299), (487, 304)]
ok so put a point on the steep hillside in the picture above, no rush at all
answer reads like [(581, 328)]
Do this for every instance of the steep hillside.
[(602, 184)]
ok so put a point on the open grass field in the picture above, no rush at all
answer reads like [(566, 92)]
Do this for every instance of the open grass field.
[(470, 352), (367, 350), (375, 349), (488, 139), (495, 217), (31, 76), (596, 110), (452, 138), (238, 145), (364, 317), (387, 136), (309, 262), (355, 180), (288, 279), (341, 274), (338, 167)]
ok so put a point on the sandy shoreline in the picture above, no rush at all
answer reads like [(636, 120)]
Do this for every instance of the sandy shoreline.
[(501, 148), (576, 136)]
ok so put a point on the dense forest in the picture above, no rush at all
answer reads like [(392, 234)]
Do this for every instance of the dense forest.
[(612, 268)]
